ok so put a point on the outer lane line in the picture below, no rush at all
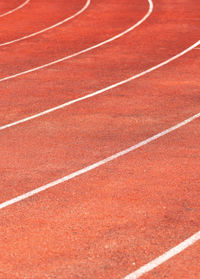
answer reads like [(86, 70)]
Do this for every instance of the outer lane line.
[(97, 164), (164, 257), (48, 28), (99, 91), (17, 8), (84, 50)]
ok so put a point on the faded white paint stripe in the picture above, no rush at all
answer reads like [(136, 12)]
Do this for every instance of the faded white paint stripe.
[(165, 257), (97, 164), (48, 28), (99, 91), (84, 50), (17, 8)]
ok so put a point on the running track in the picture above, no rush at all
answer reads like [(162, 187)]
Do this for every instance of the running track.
[(112, 220)]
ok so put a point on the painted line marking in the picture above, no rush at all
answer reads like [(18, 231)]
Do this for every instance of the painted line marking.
[(84, 50), (97, 164), (161, 259), (99, 91), (49, 28), (165, 257), (17, 8)]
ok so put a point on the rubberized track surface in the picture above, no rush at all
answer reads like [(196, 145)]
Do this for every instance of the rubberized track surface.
[(111, 219)]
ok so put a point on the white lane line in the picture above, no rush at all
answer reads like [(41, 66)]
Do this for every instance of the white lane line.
[(84, 50), (165, 257), (48, 28), (97, 164), (99, 91), (17, 8)]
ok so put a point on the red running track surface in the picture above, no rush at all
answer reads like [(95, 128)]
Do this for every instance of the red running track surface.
[(110, 221)]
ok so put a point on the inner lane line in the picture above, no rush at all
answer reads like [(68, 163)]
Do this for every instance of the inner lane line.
[(99, 91), (50, 27), (17, 8), (84, 50)]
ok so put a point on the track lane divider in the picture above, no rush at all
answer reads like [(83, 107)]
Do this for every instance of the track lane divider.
[(99, 91), (14, 10), (97, 164), (50, 27), (165, 257), (84, 50)]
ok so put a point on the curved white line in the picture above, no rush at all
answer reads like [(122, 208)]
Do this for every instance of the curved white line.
[(49, 28), (101, 90), (165, 257), (84, 50), (17, 8), (172, 252), (97, 164)]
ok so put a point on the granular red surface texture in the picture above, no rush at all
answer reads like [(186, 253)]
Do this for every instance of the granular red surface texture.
[(108, 222)]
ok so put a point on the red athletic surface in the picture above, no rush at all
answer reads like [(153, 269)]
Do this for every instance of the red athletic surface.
[(110, 221), (6, 6)]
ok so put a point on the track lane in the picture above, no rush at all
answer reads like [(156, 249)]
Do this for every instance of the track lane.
[(66, 127), (87, 3), (62, 59), (31, 20), (73, 72), (184, 265), (126, 193), (72, 122), (136, 218), (12, 10), (85, 97), (117, 23)]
